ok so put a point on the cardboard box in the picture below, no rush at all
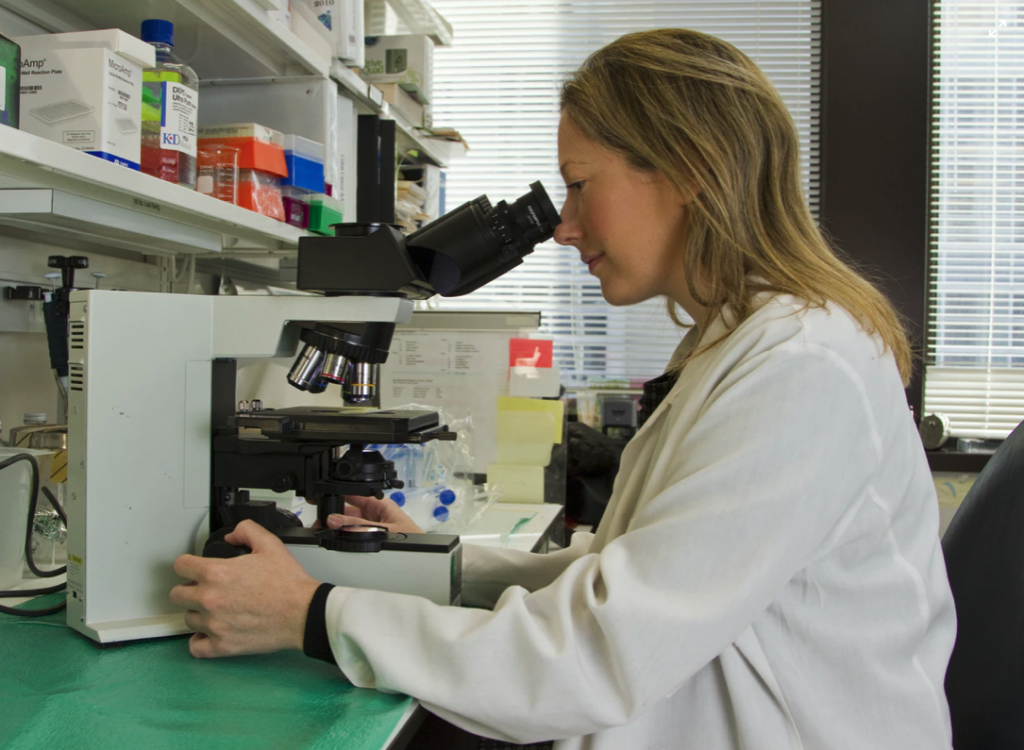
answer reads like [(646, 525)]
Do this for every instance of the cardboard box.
[(402, 101), (401, 58), (84, 90)]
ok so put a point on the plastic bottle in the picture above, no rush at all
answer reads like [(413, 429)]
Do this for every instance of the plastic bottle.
[(170, 107), (428, 507)]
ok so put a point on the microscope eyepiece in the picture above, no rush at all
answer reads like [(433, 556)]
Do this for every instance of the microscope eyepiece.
[(477, 242), (454, 255), (451, 256)]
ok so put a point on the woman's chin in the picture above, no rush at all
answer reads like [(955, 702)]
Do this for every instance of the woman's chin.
[(616, 297)]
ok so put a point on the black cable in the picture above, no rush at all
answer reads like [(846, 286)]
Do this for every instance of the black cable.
[(56, 506), (35, 592), (32, 504)]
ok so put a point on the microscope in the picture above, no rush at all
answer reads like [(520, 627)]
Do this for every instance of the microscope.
[(162, 458)]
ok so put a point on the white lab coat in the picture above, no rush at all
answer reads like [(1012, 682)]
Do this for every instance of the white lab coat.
[(767, 575)]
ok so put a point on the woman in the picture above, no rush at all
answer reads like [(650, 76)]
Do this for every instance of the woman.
[(768, 572)]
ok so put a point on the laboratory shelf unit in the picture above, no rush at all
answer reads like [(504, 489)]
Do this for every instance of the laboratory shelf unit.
[(420, 15), (237, 49), (50, 189), (218, 38), (371, 100)]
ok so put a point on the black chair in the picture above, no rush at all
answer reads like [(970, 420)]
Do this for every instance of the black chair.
[(984, 551)]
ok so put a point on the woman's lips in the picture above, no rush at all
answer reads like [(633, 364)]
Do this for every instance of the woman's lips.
[(593, 262)]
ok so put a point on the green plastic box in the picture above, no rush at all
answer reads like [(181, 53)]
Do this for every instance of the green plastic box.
[(324, 211), (10, 82)]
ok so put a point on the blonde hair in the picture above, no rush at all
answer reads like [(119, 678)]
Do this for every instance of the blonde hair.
[(700, 112)]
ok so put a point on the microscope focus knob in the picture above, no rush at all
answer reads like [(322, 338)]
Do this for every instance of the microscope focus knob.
[(280, 481), (356, 538), (224, 550)]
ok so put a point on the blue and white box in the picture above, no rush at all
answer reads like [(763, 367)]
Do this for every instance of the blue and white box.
[(305, 160), (84, 90)]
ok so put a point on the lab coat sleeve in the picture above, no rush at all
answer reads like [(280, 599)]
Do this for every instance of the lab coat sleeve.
[(783, 450), (488, 571)]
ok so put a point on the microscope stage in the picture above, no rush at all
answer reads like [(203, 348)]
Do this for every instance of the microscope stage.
[(307, 423)]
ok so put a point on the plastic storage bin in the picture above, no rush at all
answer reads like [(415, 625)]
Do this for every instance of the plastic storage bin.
[(259, 147), (324, 211), (261, 163), (260, 192), (296, 206), (305, 161)]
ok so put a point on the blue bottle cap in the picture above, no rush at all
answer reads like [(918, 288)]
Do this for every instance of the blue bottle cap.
[(399, 498), (447, 497), (441, 513), (156, 31)]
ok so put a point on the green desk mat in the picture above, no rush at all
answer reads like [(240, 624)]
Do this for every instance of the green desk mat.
[(58, 690)]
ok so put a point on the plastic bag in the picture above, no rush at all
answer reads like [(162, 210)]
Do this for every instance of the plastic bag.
[(439, 494)]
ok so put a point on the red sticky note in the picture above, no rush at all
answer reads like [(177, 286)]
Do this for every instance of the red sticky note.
[(530, 352)]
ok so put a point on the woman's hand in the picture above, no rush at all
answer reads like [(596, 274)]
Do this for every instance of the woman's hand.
[(251, 604), (362, 510)]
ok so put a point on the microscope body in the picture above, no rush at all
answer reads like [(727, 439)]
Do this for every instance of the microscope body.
[(151, 379), (160, 460)]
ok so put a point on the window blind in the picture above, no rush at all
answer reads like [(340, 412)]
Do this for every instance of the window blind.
[(499, 84), (975, 352)]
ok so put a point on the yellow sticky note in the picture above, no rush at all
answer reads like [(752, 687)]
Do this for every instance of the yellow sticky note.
[(555, 408), (517, 484), (524, 438)]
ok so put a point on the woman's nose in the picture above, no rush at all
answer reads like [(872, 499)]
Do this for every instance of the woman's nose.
[(567, 233)]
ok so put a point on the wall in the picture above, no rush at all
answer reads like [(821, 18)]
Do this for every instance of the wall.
[(26, 380), (875, 140)]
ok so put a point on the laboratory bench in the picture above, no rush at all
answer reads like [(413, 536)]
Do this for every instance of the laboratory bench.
[(60, 690)]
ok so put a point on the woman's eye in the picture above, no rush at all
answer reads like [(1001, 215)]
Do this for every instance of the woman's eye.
[(577, 185)]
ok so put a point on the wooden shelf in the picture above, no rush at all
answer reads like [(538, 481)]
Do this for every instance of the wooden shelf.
[(143, 205)]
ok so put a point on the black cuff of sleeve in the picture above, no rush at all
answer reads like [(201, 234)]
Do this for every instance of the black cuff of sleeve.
[(315, 642)]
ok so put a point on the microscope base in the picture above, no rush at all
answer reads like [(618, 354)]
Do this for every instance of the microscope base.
[(427, 565)]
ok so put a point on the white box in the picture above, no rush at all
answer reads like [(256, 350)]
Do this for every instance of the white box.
[(347, 130), (433, 184), (401, 58), (84, 90), (315, 35), (139, 52), (346, 21)]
